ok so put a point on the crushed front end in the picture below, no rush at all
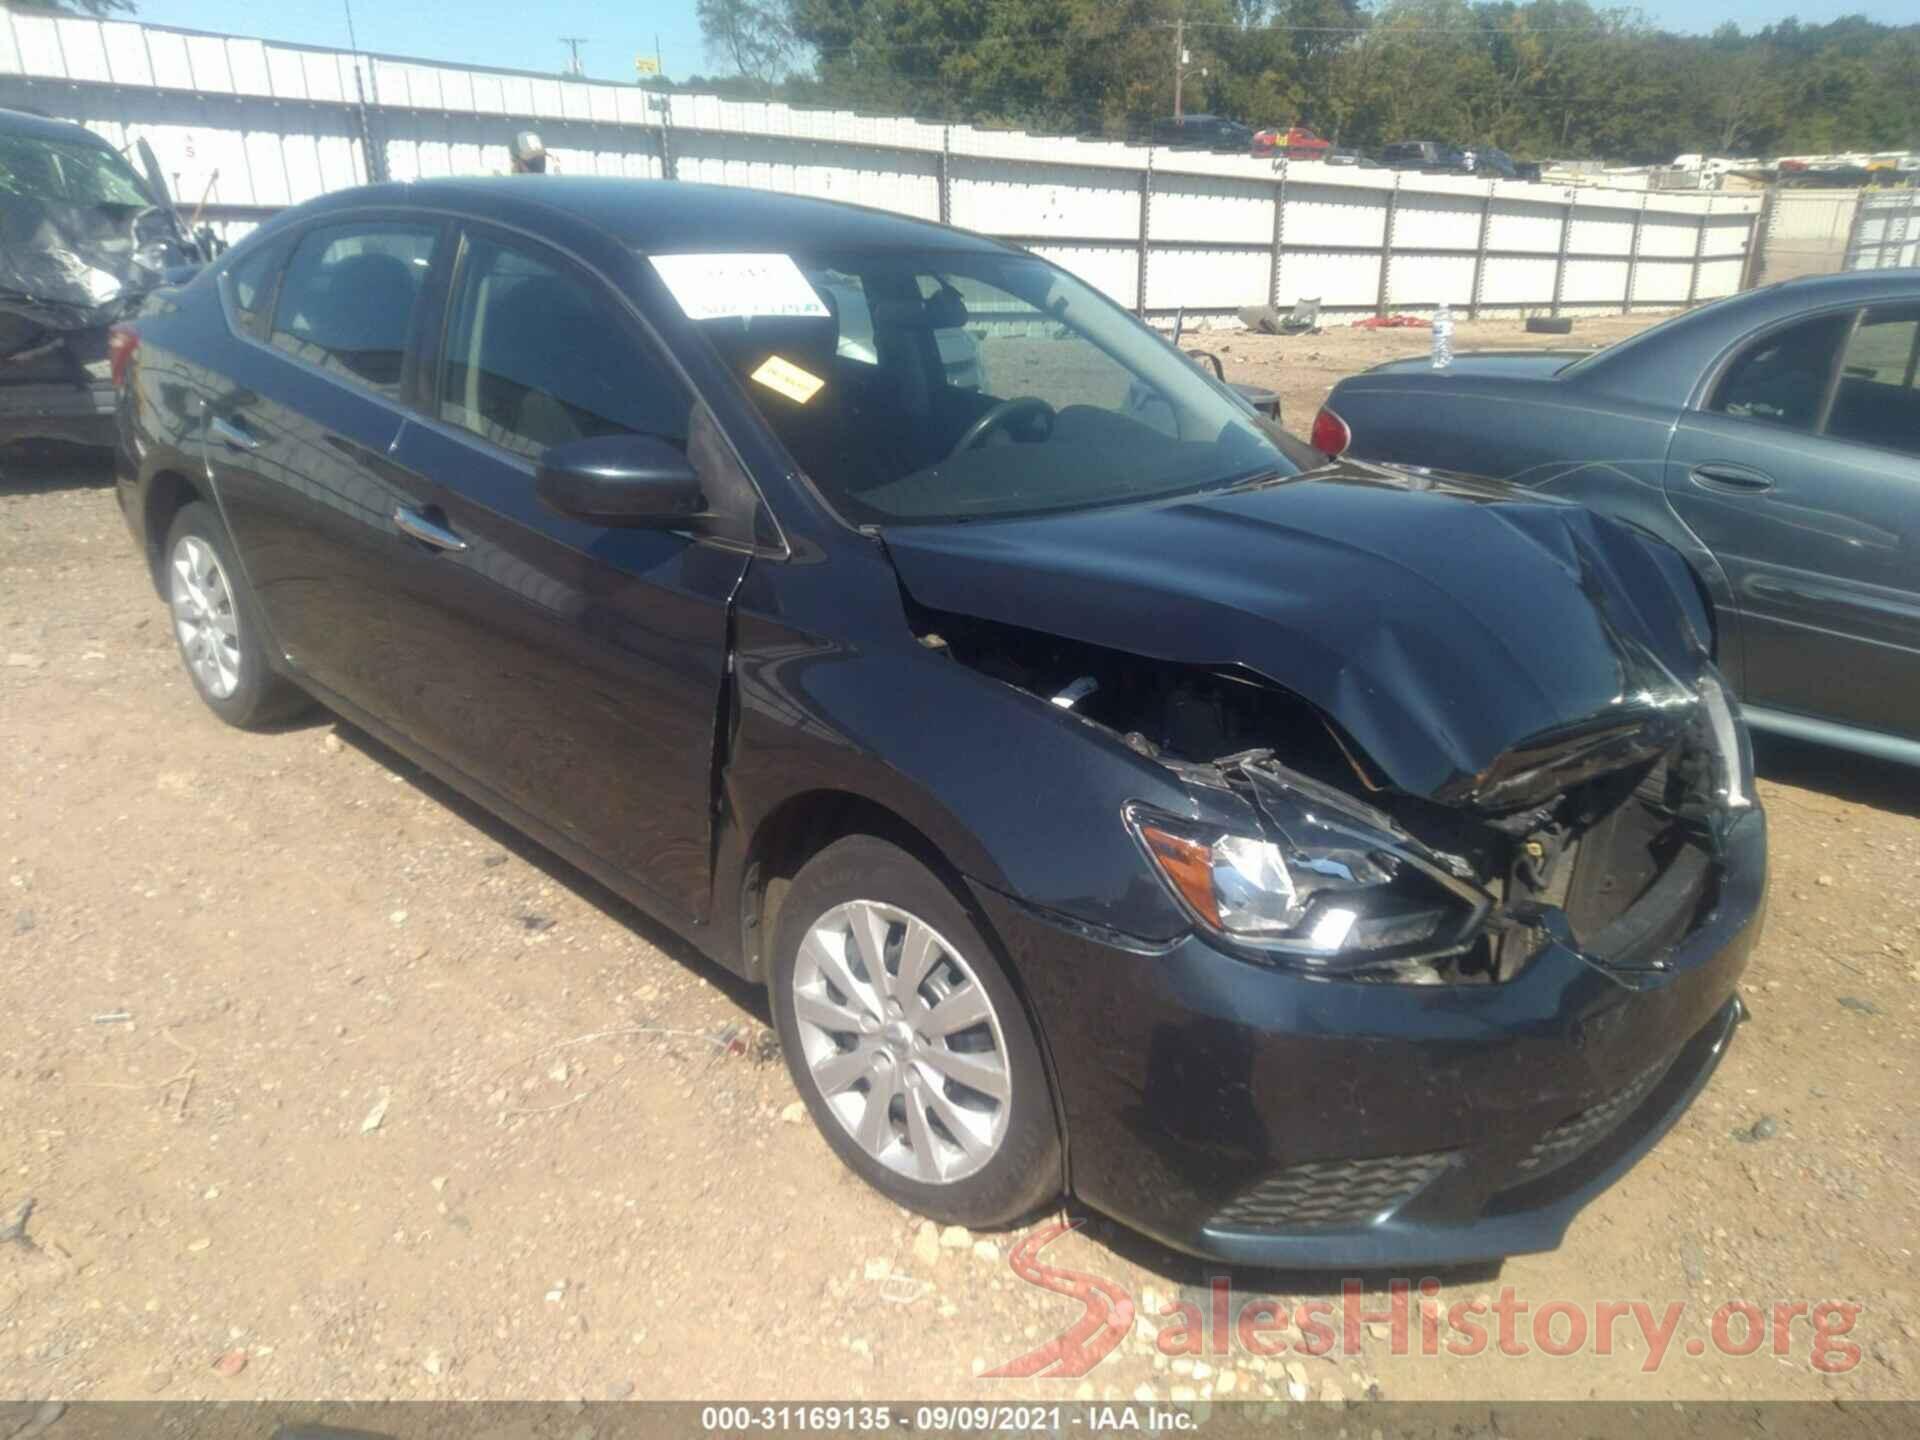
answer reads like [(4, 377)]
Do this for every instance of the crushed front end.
[(82, 244), (1404, 1029)]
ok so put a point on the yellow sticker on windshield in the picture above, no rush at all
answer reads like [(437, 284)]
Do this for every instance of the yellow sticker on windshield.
[(788, 379)]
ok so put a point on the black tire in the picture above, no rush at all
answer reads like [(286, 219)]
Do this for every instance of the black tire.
[(1025, 1172), (262, 697)]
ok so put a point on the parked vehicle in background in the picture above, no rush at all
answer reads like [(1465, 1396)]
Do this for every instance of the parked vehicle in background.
[(1489, 162), (1203, 132), (1345, 866), (1431, 156), (83, 240), (1294, 143), (1341, 155), (1772, 437), (1526, 170)]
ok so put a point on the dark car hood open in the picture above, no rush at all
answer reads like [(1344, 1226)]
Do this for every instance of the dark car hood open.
[(1460, 632)]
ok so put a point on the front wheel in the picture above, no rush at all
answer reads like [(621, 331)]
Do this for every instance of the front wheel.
[(908, 1042)]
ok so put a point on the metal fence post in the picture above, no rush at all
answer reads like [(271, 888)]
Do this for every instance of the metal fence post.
[(1480, 250), (1560, 261), (1279, 236), (1699, 252), (1146, 219), (946, 176), (1633, 256), (1386, 245), (669, 166), (1897, 243), (1850, 255), (1759, 239)]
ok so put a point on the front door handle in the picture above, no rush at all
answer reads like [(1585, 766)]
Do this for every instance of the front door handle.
[(1737, 478), (232, 434), (427, 532)]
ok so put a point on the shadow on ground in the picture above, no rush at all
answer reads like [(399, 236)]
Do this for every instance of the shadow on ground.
[(1861, 779), (43, 466), (749, 997)]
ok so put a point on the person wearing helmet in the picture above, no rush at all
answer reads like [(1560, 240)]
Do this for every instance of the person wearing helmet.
[(529, 155)]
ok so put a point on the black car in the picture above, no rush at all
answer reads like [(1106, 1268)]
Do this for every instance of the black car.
[(1309, 865), (83, 239), (1429, 156), (1773, 438), (1203, 132)]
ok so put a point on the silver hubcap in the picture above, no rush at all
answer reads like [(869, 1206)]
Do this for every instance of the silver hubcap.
[(204, 617), (902, 1039)]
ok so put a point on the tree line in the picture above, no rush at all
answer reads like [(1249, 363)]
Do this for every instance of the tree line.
[(1550, 79)]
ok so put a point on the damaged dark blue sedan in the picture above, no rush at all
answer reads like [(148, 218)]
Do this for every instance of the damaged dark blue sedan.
[(1306, 864)]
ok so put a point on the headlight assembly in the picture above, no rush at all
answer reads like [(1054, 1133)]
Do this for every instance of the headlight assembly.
[(1323, 886), (1732, 748)]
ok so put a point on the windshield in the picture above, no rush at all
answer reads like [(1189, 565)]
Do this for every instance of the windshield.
[(946, 386), (67, 172)]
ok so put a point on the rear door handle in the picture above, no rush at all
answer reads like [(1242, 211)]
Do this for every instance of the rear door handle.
[(1737, 478), (427, 532), (232, 434)]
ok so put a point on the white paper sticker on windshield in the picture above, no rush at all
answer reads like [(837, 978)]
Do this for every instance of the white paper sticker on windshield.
[(709, 287), (788, 379)]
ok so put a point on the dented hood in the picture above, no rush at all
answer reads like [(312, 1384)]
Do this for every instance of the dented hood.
[(72, 267), (82, 237), (1460, 632)]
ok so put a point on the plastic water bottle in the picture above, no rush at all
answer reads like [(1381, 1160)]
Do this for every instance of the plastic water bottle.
[(1443, 337)]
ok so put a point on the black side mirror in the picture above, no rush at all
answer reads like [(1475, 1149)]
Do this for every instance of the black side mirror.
[(635, 480)]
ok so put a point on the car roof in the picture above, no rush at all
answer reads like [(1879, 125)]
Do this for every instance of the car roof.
[(668, 216), (19, 122), (1671, 357)]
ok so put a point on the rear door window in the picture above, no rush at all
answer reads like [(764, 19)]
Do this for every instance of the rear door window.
[(346, 302), (1875, 401), (1781, 378)]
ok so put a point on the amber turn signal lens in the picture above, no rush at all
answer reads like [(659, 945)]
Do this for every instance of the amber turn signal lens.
[(1189, 865)]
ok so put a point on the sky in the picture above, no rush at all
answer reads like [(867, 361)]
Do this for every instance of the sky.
[(520, 36)]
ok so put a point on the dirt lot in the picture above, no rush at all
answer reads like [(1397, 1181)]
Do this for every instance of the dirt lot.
[(316, 1074)]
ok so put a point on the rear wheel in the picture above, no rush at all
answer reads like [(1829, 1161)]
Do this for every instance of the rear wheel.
[(908, 1042), (215, 623)]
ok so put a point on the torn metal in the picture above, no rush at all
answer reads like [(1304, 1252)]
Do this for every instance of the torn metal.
[(83, 241), (1428, 725)]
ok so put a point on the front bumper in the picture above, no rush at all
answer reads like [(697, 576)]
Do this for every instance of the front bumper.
[(1257, 1116)]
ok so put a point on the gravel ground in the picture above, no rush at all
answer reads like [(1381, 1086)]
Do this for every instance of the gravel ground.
[(322, 1083)]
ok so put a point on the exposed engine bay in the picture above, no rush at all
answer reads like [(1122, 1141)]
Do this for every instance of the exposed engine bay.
[(1599, 837)]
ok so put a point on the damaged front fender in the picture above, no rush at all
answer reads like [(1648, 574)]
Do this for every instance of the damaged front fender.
[(1467, 636)]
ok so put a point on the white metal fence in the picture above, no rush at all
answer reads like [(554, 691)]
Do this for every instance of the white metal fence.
[(1886, 230), (249, 127)]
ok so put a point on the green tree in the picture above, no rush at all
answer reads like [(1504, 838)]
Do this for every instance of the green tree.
[(1559, 78), (92, 9), (754, 36)]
